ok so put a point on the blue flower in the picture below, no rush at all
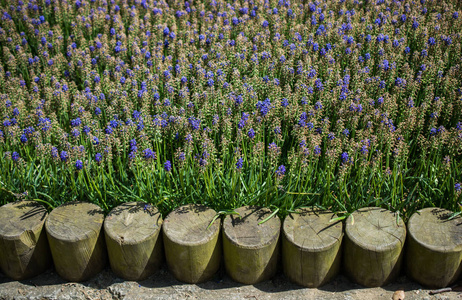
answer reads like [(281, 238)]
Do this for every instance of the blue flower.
[(265, 24), (344, 157), (251, 133), (166, 31), (264, 106), (149, 154), (167, 166), (78, 164), (240, 163), (23, 138), (457, 187), (346, 132), (281, 171), (63, 155), (318, 105), (15, 156), (317, 150), (76, 122), (194, 123)]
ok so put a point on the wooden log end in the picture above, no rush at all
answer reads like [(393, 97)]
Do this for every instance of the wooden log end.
[(373, 246), (132, 240), (23, 244), (311, 247), (192, 247), (251, 250), (76, 240), (434, 248)]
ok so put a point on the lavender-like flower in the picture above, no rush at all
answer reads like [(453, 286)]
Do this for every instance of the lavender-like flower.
[(281, 171), (15, 156), (78, 164), (167, 166)]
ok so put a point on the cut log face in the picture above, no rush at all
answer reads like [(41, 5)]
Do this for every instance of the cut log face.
[(311, 247), (24, 250), (434, 247), (132, 239), (251, 250), (192, 248), (76, 240), (373, 246)]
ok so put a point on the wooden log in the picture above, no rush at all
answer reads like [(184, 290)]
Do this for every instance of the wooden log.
[(24, 250), (311, 254), (251, 250), (192, 248), (434, 247), (74, 231), (373, 246), (132, 239)]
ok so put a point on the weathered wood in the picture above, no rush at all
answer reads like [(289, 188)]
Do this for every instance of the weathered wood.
[(23, 244), (132, 239), (311, 243), (373, 246), (76, 240), (251, 250), (192, 249), (434, 247)]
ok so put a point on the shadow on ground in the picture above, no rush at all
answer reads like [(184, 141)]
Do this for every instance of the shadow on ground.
[(163, 285)]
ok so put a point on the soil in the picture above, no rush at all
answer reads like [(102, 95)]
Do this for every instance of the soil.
[(163, 285)]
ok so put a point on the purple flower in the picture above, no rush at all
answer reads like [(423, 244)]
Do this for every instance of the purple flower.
[(240, 163), (167, 166), (264, 106), (318, 105), (363, 150), (194, 123), (331, 136), (344, 157), (281, 171), (457, 187), (15, 156), (78, 164), (251, 133), (317, 150), (76, 122), (23, 138), (346, 132), (98, 157), (149, 154), (63, 155)]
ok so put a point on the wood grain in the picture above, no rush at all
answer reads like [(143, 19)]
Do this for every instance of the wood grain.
[(251, 250), (24, 250), (76, 240), (132, 239), (373, 246), (434, 248), (311, 246), (192, 248)]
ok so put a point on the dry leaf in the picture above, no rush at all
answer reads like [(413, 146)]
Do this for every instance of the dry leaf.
[(398, 295)]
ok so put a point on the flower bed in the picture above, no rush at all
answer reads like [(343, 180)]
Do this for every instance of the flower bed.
[(282, 104)]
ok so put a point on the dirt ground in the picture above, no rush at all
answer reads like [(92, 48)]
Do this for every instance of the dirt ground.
[(162, 285)]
